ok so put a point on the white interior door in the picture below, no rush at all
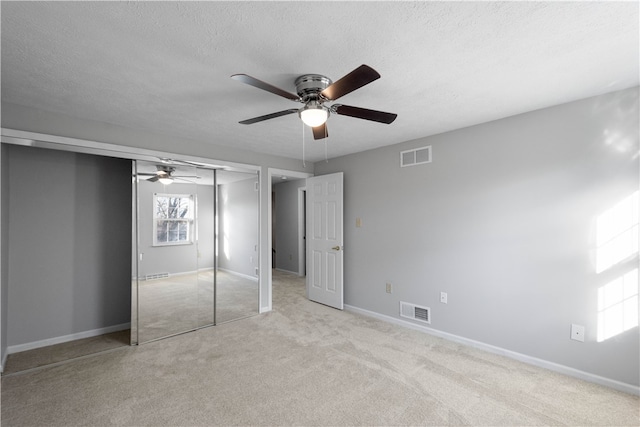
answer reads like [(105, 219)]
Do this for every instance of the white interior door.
[(325, 251)]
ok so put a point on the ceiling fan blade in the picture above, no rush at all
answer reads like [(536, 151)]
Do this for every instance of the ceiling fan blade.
[(363, 75), (320, 132), (146, 174), (363, 113), (252, 81), (154, 178), (186, 176), (268, 116)]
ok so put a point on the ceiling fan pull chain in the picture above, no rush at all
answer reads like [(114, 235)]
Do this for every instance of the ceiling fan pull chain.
[(326, 150), (304, 163)]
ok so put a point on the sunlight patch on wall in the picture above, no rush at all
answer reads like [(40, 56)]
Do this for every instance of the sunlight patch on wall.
[(618, 306), (617, 241), (617, 233), (622, 142)]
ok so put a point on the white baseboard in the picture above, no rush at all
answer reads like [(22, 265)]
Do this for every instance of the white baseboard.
[(235, 273), (566, 370), (66, 338)]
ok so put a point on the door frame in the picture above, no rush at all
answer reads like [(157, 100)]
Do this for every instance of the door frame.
[(302, 228)]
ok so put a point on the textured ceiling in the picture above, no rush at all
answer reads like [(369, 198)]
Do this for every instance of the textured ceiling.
[(165, 66)]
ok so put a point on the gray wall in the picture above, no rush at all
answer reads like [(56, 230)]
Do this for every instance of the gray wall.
[(178, 258), (69, 243), (286, 224), (4, 253), (238, 227), (504, 221)]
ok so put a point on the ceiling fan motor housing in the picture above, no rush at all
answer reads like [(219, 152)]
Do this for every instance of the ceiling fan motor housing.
[(309, 86), (165, 170)]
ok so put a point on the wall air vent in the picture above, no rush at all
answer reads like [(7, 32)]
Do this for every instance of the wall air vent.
[(415, 312), (156, 276), (417, 156)]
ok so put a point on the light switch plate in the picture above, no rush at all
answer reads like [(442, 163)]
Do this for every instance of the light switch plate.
[(443, 297)]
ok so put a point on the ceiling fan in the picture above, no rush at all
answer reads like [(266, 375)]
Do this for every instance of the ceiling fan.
[(164, 174), (314, 90)]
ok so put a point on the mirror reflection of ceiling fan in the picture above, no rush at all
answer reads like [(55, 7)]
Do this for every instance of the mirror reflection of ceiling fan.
[(164, 174), (314, 90)]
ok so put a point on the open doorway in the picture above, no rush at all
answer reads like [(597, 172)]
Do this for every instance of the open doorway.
[(288, 213), (287, 223)]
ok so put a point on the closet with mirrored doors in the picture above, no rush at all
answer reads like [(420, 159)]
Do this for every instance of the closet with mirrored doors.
[(194, 247)]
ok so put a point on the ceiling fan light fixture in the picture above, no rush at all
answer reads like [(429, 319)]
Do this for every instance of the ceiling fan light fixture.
[(166, 180), (313, 90), (314, 114)]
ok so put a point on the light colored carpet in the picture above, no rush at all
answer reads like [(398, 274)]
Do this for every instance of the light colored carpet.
[(306, 364)]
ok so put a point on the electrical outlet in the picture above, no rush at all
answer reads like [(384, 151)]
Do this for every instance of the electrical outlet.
[(443, 297), (358, 222), (389, 288), (577, 332)]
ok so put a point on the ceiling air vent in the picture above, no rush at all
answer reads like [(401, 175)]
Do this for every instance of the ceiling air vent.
[(417, 156), (415, 312)]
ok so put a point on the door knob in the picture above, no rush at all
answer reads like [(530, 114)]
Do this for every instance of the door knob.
[(336, 248)]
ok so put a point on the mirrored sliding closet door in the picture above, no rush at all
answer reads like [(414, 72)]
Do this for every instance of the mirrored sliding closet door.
[(237, 260), (167, 286), (195, 246)]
